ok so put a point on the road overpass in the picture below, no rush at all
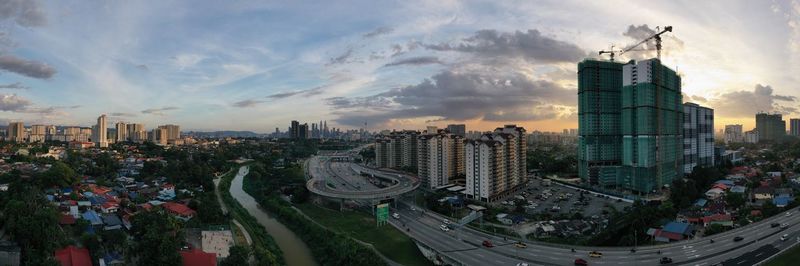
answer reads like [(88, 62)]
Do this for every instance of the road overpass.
[(348, 183)]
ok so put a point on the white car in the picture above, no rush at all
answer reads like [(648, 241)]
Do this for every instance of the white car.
[(445, 221), (396, 215), (788, 214), (444, 228), (784, 237)]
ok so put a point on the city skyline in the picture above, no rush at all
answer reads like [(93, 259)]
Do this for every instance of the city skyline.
[(176, 63)]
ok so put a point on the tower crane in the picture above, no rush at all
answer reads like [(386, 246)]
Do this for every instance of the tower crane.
[(612, 52)]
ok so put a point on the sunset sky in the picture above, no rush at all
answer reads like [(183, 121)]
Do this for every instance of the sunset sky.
[(256, 65)]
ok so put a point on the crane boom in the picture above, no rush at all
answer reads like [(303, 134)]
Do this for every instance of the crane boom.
[(656, 36)]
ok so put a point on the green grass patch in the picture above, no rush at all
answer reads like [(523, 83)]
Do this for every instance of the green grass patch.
[(788, 258), (387, 240)]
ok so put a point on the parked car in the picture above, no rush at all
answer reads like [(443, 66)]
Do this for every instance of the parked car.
[(595, 254), (521, 245), (488, 244), (738, 238), (581, 262), (665, 260)]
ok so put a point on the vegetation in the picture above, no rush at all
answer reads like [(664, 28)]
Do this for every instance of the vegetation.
[(329, 248), (788, 258), (557, 160), (32, 222), (265, 249), (157, 238)]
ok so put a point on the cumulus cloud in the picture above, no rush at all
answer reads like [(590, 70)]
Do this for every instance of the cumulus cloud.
[(159, 111), (745, 103), (30, 68), (247, 103), (378, 31), (531, 45), (13, 103), (308, 92), (460, 96), (14, 86), (420, 60), (27, 13), (647, 49)]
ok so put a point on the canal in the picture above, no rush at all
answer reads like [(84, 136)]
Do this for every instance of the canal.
[(295, 251)]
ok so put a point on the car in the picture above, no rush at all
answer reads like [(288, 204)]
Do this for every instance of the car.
[(595, 254), (784, 226), (488, 244), (738, 238), (784, 237), (520, 245), (773, 225), (522, 264), (445, 221), (581, 262), (396, 215), (788, 214), (413, 209), (665, 260), (444, 228)]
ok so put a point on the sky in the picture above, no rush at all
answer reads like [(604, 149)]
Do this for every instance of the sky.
[(257, 65)]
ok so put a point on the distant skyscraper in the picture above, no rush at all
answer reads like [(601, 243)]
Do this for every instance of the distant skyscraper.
[(751, 136), (159, 136), (794, 127), (698, 136), (771, 127), (458, 129), (733, 134), (136, 132), (16, 131), (302, 131), (173, 131), (294, 130), (101, 135), (122, 132), (430, 130)]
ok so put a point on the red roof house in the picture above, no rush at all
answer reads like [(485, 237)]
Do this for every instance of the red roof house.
[(180, 210), (197, 257), (66, 219), (74, 256)]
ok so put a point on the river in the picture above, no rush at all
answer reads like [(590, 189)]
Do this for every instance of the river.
[(295, 251)]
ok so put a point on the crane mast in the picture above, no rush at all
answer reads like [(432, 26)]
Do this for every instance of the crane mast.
[(657, 37)]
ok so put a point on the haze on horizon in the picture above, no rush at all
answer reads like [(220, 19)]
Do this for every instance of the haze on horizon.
[(215, 65)]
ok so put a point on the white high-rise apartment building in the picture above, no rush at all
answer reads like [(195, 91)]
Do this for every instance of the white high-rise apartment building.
[(16, 131), (37, 133), (101, 129), (122, 132), (495, 164), (733, 134), (173, 131), (698, 136), (397, 150), (136, 132), (440, 158)]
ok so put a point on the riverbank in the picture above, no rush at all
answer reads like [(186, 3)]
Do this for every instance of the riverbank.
[(294, 251)]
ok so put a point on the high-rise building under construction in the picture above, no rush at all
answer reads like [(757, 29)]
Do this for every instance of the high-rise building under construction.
[(630, 124)]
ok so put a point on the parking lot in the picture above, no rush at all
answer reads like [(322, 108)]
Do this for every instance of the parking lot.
[(543, 196)]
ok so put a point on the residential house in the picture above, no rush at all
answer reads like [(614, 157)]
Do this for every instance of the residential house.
[(196, 257), (763, 193), (73, 256), (180, 211)]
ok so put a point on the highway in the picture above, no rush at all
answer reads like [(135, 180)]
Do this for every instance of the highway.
[(760, 241), (342, 180)]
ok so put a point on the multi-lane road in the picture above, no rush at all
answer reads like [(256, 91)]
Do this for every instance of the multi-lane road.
[(760, 240), (343, 180)]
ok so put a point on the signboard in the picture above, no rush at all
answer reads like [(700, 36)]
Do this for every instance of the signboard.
[(382, 213)]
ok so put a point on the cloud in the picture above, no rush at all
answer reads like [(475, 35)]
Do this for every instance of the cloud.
[(13, 103), (458, 97), (159, 111), (247, 103), (308, 92), (740, 104), (420, 60), (15, 86), (143, 67), (30, 68), (647, 49), (121, 114), (531, 45), (343, 58), (27, 13), (379, 31)]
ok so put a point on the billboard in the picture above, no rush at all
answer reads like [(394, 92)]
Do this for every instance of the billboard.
[(382, 213)]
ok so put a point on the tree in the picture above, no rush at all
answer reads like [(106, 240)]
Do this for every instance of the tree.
[(735, 200), (714, 229), (239, 255), (157, 236), (59, 174), (33, 223)]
